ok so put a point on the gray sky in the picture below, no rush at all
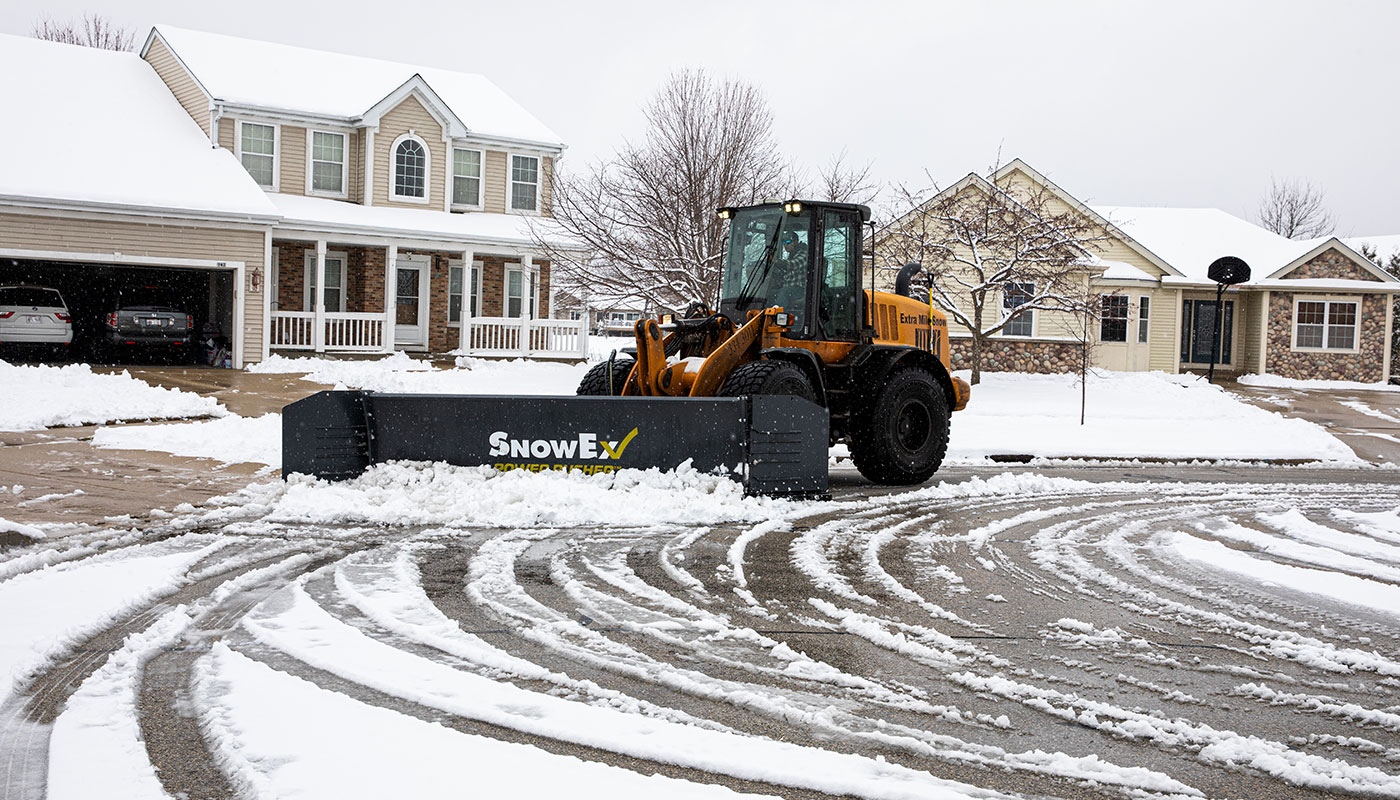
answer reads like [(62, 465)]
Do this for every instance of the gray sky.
[(1126, 103)]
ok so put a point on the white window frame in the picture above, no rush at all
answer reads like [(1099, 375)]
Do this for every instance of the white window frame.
[(510, 183), (276, 150), (1005, 314), (1112, 299), (480, 180), (1144, 318), (475, 299), (528, 280), (394, 171), (1327, 303), (308, 297), (344, 164)]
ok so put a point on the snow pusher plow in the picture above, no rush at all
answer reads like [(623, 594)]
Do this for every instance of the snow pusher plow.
[(797, 357)]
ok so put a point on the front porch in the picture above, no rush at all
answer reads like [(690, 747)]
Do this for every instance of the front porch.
[(411, 296)]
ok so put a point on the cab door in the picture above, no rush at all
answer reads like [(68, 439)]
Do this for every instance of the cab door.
[(838, 290)]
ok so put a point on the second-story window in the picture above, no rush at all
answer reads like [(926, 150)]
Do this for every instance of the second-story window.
[(410, 169), (257, 149), (466, 177), (328, 162), (524, 183)]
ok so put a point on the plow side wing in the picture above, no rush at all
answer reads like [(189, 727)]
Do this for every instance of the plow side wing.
[(772, 444)]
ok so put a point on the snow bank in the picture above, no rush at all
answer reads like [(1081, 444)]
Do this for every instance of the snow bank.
[(29, 531), (1129, 415), (415, 493), (42, 396), (232, 439), (400, 373), (1276, 382)]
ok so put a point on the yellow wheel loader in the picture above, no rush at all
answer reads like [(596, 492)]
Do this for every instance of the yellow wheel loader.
[(798, 356), (793, 319)]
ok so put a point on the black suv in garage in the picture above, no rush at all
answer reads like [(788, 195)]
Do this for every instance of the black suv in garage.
[(148, 316)]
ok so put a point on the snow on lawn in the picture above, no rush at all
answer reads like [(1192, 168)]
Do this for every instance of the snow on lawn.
[(400, 373), (269, 753), (232, 439), (1276, 382), (438, 494), (1130, 415), (42, 396)]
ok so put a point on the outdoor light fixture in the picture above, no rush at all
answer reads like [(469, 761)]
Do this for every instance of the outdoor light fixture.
[(782, 320), (792, 207)]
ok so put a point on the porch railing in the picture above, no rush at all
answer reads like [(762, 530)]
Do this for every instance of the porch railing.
[(526, 338), (351, 332)]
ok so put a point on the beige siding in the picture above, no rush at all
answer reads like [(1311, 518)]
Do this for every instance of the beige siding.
[(293, 160), (191, 97), (1164, 336), (1249, 308), (354, 150), (154, 239), (494, 175), (227, 130), (410, 115), (547, 186)]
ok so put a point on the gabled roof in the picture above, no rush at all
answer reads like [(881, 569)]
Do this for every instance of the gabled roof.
[(1192, 238), (149, 156), (279, 78)]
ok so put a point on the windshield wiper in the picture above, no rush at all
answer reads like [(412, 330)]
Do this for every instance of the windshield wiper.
[(750, 287)]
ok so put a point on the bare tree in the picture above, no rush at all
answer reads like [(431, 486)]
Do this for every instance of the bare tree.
[(648, 214), (1295, 209), (839, 182), (994, 253), (92, 31)]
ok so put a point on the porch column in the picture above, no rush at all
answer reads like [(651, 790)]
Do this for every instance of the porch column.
[(318, 323), (391, 312), (465, 322)]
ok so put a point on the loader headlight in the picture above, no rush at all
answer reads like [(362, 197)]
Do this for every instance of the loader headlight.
[(724, 213), (667, 319), (782, 320), (792, 207)]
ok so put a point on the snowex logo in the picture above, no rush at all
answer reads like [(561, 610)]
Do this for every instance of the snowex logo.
[(583, 452)]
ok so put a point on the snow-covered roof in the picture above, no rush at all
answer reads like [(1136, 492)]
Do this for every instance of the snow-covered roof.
[(1120, 271), (279, 77), (477, 228), (1386, 246), (1191, 238), (147, 156)]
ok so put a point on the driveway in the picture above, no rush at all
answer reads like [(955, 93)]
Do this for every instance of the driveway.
[(1367, 421)]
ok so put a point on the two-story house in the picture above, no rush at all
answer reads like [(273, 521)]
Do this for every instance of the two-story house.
[(291, 199), (406, 194)]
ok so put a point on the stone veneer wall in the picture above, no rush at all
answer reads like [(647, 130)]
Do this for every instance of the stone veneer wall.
[(1366, 365), (1002, 355), (1333, 265)]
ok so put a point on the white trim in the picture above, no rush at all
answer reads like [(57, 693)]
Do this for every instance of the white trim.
[(510, 183), (424, 264), (236, 335), (368, 156), (391, 265), (118, 258), (394, 170), (467, 285), (270, 265), (1001, 305), (59, 207), (437, 108), (1264, 334), (480, 181), (1144, 321), (1328, 302), (276, 149), (344, 192), (307, 278)]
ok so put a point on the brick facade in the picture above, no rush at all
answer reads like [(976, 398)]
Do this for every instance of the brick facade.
[(1003, 355), (1366, 365)]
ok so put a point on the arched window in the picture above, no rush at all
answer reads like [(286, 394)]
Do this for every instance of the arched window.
[(410, 169)]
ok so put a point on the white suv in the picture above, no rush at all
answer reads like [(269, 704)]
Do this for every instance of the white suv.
[(34, 315)]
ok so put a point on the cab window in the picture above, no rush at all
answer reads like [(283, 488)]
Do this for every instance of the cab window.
[(840, 262)]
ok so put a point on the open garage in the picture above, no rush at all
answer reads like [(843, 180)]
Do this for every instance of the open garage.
[(92, 291)]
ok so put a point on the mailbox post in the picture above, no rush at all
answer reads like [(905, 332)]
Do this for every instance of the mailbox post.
[(1225, 271)]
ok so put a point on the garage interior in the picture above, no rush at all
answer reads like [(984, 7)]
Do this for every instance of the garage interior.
[(91, 290)]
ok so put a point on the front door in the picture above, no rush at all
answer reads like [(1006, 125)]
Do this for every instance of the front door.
[(1198, 331), (411, 301)]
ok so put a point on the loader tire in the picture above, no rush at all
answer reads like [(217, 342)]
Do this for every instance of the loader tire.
[(596, 381), (902, 434), (768, 377)]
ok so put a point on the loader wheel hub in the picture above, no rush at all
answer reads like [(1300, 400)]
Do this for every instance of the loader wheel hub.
[(913, 425)]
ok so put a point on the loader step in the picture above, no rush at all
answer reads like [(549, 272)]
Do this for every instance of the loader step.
[(773, 445)]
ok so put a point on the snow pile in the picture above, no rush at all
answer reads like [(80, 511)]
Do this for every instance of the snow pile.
[(232, 439), (400, 373), (1277, 382), (412, 494), (29, 531), (42, 396), (1130, 415)]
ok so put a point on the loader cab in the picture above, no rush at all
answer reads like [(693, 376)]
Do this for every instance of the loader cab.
[(801, 255)]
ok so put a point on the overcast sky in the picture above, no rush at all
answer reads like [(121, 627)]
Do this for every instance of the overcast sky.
[(1121, 103)]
